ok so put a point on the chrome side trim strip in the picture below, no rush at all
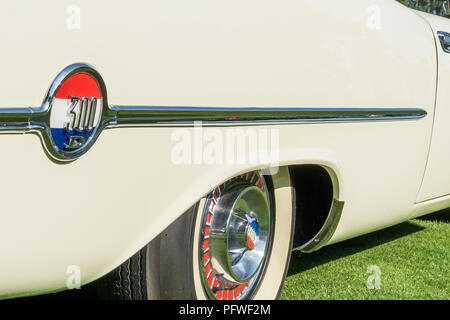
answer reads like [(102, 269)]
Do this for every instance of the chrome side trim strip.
[(154, 116), (37, 120), (444, 38), (326, 232), (21, 119), (15, 119)]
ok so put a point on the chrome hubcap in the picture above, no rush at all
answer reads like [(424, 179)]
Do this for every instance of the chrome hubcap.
[(236, 232), (239, 232)]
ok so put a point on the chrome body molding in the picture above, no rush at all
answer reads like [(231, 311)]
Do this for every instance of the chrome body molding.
[(39, 120), (25, 119), (153, 116), (36, 120), (444, 38), (327, 230)]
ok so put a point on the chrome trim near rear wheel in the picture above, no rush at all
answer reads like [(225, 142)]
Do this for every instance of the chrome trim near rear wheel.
[(327, 230)]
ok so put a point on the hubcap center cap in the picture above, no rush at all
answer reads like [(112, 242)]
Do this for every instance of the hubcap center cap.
[(252, 234)]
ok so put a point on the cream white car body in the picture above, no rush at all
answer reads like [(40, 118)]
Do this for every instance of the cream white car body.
[(99, 210)]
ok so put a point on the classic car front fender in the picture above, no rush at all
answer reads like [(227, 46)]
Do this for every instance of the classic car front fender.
[(97, 211)]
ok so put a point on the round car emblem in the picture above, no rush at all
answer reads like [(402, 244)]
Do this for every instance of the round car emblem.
[(252, 234), (75, 104)]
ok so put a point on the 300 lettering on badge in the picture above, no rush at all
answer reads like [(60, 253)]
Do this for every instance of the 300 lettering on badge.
[(82, 115)]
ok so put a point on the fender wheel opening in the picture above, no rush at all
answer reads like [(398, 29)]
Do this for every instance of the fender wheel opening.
[(316, 207)]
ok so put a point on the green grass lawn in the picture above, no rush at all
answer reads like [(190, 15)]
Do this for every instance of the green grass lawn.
[(413, 257)]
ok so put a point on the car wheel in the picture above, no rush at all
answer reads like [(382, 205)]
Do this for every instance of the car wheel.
[(233, 244)]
